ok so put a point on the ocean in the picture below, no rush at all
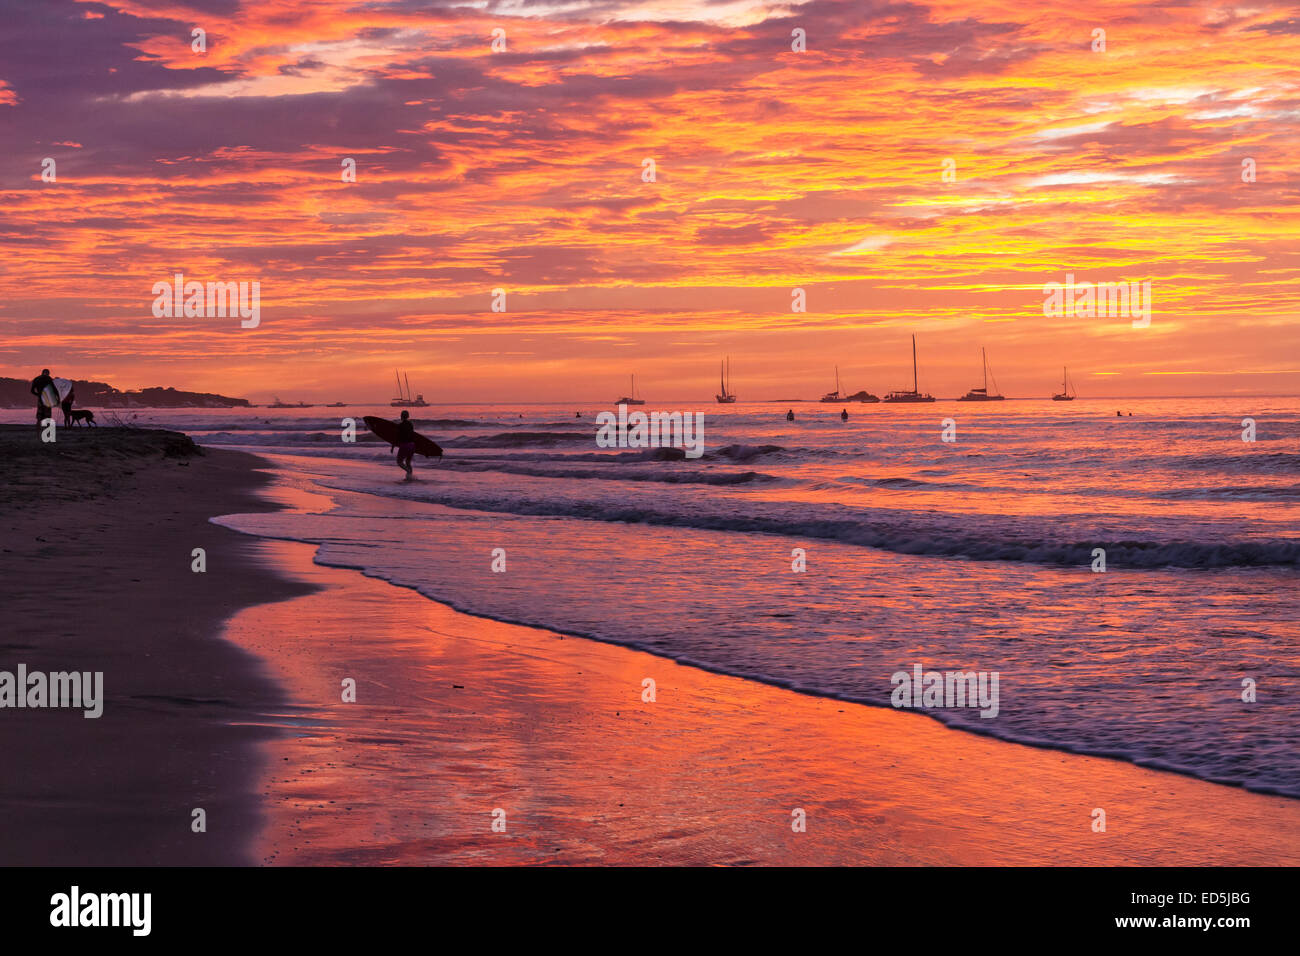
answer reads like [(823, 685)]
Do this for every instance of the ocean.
[(971, 555)]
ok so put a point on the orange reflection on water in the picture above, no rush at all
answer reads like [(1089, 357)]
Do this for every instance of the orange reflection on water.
[(458, 716)]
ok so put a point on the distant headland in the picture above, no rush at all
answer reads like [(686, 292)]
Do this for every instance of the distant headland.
[(15, 393)]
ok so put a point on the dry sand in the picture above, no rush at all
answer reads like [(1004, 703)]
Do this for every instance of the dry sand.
[(95, 576)]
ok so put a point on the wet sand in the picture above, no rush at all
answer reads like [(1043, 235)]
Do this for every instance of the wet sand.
[(95, 575), (456, 717)]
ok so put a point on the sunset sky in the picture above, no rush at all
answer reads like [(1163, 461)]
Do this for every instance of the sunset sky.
[(775, 169)]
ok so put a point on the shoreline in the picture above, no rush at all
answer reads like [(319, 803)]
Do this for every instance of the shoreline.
[(457, 716), (98, 579), (828, 695)]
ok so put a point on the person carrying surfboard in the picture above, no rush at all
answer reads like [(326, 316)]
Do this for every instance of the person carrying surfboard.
[(39, 385), (403, 436), (406, 444)]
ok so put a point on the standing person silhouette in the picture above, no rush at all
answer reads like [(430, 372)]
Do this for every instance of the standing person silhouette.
[(406, 445), (789, 416), (39, 383)]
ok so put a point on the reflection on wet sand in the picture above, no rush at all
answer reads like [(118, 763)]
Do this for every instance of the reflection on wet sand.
[(458, 716)]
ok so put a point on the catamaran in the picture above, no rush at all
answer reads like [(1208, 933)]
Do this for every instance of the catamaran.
[(404, 399), (982, 394), (724, 379), (914, 396), (1067, 393), (631, 399), (834, 396)]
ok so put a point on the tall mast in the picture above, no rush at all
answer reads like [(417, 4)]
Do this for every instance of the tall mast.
[(914, 390), (408, 388), (837, 380), (985, 358)]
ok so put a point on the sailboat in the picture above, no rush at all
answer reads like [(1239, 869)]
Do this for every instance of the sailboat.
[(914, 396), (404, 399), (834, 396), (724, 379), (982, 394), (631, 399), (1067, 393)]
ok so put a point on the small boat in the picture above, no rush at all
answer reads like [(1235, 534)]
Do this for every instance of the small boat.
[(835, 396), (982, 394), (631, 399), (279, 404), (724, 377), (914, 396), (404, 399), (1067, 393), (337, 405)]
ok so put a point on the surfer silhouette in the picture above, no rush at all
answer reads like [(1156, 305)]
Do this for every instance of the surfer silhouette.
[(406, 445), (844, 414), (39, 384), (402, 435), (789, 416)]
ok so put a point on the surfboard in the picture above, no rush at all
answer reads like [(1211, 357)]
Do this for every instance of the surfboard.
[(53, 395), (387, 430)]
